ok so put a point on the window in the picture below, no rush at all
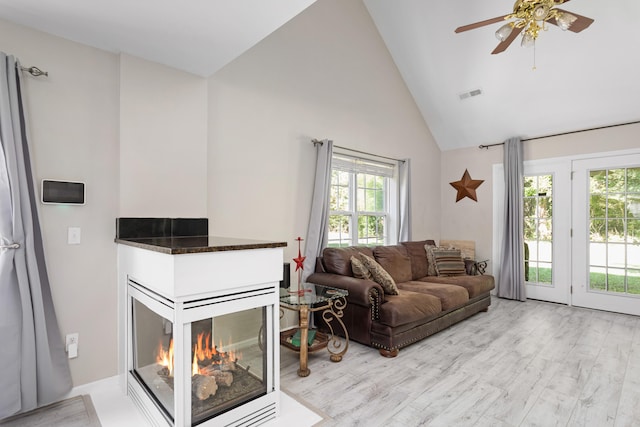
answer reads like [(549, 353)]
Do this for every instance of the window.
[(614, 230), (538, 236), (361, 202)]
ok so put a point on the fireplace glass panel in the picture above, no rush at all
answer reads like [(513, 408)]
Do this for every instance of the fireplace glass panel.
[(153, 354), (228, 362), (227, 354)]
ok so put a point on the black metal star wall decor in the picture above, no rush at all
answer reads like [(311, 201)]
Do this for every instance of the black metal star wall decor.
[(466, 187)]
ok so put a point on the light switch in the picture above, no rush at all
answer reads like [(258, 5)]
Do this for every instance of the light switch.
[(73, 235)]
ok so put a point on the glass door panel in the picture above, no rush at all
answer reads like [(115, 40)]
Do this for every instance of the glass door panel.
[(608, 191)]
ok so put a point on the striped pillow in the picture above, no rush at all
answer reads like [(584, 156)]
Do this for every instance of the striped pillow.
[(449, 262)]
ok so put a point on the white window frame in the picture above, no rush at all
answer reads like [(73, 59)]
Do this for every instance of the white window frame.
[(355, 165)]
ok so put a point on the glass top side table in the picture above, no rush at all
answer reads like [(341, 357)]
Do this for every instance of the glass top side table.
[(331, 303)]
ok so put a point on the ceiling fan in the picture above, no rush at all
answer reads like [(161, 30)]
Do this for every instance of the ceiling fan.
[(529, 17)]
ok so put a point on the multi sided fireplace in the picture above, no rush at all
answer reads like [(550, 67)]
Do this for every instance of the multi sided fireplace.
[(200, 338)]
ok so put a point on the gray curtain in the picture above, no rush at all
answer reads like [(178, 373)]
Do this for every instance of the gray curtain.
[(319, 219), (35, 370), (511, 276), (404, 198)]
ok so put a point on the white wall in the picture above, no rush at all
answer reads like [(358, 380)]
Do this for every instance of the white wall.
[(73, 124), (325, 74), (152, 141), (163, 141), (469, 220)]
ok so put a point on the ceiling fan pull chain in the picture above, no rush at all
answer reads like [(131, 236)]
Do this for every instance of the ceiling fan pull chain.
[(534, 56)]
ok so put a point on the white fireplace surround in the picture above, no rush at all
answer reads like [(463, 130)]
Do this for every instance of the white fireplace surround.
[(188, 287)]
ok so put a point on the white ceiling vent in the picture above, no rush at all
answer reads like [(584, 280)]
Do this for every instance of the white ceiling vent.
[(470, 94)]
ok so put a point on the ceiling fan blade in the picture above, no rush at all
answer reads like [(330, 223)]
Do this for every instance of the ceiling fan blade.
[(580, 24), (480, 24), (502, 46)]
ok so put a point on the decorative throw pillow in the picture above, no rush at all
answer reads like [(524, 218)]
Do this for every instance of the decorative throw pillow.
[(380, 275), (360, 271), (431, 262), (449, 262)]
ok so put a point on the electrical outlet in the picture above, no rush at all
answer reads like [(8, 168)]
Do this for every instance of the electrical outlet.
[(71, 345)]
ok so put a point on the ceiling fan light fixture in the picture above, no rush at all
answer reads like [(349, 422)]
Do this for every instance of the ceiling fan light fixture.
[(528, 40), (565, 20), (504, 32)]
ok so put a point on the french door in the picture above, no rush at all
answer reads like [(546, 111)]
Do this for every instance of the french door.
[(547, 227), (606, 233), (547, 196)]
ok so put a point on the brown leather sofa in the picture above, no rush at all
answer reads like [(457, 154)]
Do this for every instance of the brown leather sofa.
[(425, 304)]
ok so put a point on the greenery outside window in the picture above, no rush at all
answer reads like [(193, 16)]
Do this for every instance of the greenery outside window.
[(360, 202), (538, 232), (614, 230)]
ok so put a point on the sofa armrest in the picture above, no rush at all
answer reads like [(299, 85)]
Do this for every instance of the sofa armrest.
[(365, 293)]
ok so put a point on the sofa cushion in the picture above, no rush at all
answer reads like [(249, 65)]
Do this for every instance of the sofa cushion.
[(338, 260), (418, 256), (360, 271), (379, 274), (450, 296), (449, 262), (475, 285), (395, 261), (431, 262), (408, 307)]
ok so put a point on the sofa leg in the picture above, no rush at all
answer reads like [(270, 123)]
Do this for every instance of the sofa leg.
[(389, 353), (485, 310)]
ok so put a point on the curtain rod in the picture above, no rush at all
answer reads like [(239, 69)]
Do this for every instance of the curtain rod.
[(35, 71), (317, 141), (563, 133)]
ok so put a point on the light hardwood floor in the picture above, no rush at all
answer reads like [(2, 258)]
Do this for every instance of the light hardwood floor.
[(520, 364)]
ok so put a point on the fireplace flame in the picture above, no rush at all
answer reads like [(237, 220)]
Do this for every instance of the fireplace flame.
[(165, 357), (205, 356)]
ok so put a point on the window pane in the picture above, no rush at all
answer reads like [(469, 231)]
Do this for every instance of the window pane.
[(615, 230), (633, 231), (339, 198), (616, 180), (545, 187), (533, 272), (544, 272), (598, 181), (633, 256), (597, 278), (633, 282), (615, 279), (530, 188), (633, 206), (530, 232), (598, 206), (616, 205), (545, 208), (529, 207), (598, 254), (544, 251), (544, 230), (339, 230), (633, 180), (598, 230), (370, 229), (616, 255)]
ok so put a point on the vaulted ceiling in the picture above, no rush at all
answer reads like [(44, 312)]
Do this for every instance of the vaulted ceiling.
[(581, 81)]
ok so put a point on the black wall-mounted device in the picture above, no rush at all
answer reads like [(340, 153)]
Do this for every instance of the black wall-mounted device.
[(62, 192)]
